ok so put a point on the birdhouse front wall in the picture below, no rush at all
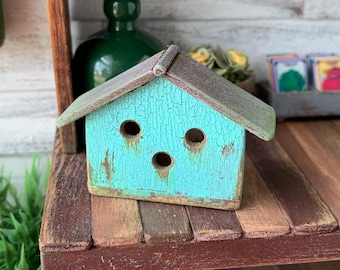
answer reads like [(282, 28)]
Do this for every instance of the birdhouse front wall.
[(159, 143)]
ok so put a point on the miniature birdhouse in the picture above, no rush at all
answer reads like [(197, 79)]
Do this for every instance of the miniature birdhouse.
[(169, 130)]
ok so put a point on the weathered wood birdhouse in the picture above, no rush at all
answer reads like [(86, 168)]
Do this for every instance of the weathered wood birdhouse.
[(169, 130)]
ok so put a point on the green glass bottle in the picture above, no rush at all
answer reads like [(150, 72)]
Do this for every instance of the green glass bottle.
[(2, 26), (113, 50)]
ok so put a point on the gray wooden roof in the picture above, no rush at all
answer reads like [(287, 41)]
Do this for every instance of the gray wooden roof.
[(225, 97)]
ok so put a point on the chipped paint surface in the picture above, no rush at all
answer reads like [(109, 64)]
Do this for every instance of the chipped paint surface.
[(165, 113), (108, 165)]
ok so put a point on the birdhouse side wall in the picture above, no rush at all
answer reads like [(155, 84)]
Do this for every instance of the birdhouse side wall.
[(159, 143)]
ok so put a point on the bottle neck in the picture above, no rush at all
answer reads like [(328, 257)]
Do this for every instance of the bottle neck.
[(115, 26)]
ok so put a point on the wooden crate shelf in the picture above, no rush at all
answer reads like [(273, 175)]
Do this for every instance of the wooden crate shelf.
[(311, 103), (289, 213)]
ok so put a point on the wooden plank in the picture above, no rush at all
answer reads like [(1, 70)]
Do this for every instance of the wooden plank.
[(61, 49), (29, 121), (203, 255), (115, 222), (33, 104), (315, 147), (237, 33), (220, 9), (26, 60), (319, 10), (213, 224), (66, 223), (259, 215), (300, 104), (198, 10), (164, 223), (327, 134), (30, 135), (303, 207)]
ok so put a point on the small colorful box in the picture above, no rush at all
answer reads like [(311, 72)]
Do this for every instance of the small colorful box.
[(288, 73), (326, 71)]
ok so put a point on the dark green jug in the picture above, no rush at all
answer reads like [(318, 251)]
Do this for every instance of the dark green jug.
[(113, 50)]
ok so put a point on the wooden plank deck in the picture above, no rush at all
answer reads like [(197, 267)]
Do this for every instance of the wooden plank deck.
[(289, 213)]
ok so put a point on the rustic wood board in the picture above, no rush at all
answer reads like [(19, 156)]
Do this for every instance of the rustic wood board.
[(303, 207), (301, 104), (115, 222), (327, 134), (318, 10), (63, 200), (34, 113), (203, 255), (66, 224), (61, 49), (164, 223), (259, 214), (192, 10), (26, 60), (213, 224), (314, 149), (235, 34)]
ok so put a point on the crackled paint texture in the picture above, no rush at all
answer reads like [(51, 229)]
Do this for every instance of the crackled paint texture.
[(165, 113)]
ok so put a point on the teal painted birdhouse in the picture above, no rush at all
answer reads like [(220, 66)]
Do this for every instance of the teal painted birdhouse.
[(169, 130)]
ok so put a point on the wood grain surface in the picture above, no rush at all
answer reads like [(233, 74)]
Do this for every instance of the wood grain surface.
[(314, 147), (214, 224), (115, 222), (259, 214), (66, 225), (203, 255), (291, 188), (62, 56), (164, 223), (284, 210)]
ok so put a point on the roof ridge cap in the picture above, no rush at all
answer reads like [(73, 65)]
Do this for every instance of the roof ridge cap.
[(166, 59)]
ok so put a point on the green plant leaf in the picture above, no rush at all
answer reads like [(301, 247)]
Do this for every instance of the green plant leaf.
[(220, 71), (11, 235), (23, 265), (9, 255), (20, 220), (219, 58)]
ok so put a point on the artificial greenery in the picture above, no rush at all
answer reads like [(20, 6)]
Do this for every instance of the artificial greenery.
[(231, 64), (20, 219)]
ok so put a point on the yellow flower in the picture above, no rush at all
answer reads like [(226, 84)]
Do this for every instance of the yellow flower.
[(202, 56), (238, 58)]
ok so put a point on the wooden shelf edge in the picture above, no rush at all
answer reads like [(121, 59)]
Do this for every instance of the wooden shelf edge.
[(201, 255), (66, 222)]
